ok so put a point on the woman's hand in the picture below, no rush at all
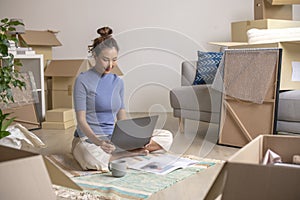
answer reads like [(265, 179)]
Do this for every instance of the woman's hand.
[(107, 146)]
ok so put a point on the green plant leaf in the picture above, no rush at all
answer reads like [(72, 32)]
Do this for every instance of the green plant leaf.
[(4, 134), (4, 21), (7, 123), (11, 29), (15, 23), (8, 77), (4, 116)]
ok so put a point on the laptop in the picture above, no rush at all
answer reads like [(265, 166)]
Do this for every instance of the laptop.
[(133, 133)]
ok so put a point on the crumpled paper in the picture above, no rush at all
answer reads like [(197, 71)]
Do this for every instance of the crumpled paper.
[(21, 138), (271, 157)]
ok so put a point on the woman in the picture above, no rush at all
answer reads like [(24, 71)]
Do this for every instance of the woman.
[(98, 102)]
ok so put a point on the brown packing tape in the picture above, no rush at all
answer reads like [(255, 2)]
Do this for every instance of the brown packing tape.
[(70, 90)]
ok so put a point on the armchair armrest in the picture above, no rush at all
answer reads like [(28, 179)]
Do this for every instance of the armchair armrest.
[(188, 72)]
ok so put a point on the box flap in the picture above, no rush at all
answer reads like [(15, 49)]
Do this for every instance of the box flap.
[(39, 38), (116, 70), (66, 68), (8, 154), (58, 177), (250, 153)]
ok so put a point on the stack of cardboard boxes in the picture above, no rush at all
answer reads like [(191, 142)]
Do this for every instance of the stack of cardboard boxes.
[(62, 73)]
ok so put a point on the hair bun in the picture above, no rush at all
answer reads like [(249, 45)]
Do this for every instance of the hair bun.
[(105, 31)]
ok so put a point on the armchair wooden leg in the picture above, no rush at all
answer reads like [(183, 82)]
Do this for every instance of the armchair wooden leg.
[(181, 125)]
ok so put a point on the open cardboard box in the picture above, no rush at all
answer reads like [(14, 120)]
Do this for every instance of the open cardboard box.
[(243, 177), (25, 175), (63, 74), (41, 42)]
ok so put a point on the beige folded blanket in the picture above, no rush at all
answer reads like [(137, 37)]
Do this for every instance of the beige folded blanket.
[(256, 36)]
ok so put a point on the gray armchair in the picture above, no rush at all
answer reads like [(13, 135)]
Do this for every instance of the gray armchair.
[(194, 102)]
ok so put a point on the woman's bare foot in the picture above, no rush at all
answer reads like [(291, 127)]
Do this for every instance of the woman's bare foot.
[(153, 146)]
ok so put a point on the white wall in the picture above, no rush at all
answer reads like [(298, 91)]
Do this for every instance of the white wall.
[(154, 36)]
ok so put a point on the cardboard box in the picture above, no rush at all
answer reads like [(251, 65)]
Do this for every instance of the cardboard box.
[(263, 9), (290, 53), (62, 99), (58, 125), (41, 42), (63, 74), (283, 2), (26, 175), (60, 115), (243, 177), (239, 29)]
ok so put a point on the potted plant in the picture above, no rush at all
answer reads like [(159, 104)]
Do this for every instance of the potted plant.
[(9, 77)]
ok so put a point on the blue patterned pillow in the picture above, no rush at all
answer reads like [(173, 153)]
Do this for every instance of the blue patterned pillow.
[(207, 65)]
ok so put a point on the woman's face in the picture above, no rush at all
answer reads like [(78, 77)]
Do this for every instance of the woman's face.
[(106, 60)]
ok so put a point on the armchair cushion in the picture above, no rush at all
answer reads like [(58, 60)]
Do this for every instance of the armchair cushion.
[(197, 102), (289, 106), (207, 66), (197, 97)]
